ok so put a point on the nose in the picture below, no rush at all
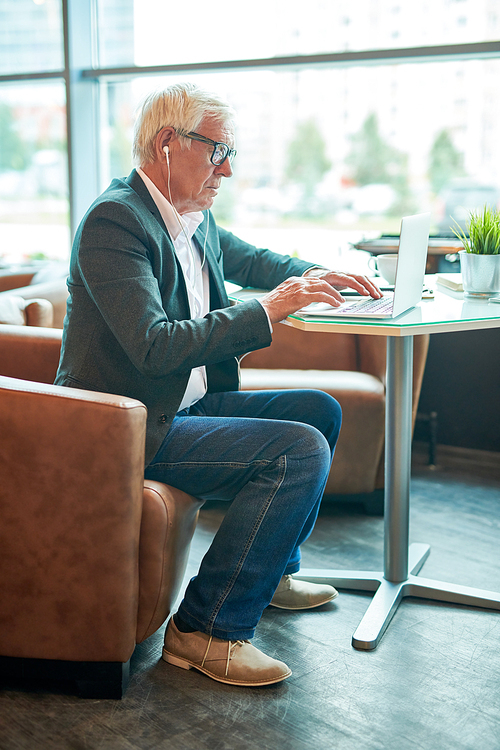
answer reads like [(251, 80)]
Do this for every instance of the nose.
[(225, 169)]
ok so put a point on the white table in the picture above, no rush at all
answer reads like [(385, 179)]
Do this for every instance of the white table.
[(402, 561)]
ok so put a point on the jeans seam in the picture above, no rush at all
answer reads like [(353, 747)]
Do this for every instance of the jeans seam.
[(248, 545), (242, 464)]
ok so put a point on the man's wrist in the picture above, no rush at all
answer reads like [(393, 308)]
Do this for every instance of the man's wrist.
[(267, 315), (315, 271)]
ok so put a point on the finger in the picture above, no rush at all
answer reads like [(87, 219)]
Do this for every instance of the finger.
[(324, 287), (305, 291), (363, 285), (372, 288)]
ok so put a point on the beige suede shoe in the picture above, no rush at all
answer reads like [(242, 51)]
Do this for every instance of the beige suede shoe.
[(294, 594), (232, 662)]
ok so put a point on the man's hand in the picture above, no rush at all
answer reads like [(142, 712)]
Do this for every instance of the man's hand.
[(317, 285)]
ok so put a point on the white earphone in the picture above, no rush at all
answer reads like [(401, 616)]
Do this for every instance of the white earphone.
[(181, 224)]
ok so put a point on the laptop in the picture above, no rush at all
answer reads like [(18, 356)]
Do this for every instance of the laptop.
[(408, 286)]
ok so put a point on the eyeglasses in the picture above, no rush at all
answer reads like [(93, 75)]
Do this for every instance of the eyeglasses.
[(221, 151)]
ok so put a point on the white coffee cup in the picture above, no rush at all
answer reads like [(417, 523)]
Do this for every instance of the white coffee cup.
[(386, 265)]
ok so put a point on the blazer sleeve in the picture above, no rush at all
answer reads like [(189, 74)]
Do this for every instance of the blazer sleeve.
[(250, 266)]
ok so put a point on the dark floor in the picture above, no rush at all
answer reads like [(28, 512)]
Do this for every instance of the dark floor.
[(433, 683)]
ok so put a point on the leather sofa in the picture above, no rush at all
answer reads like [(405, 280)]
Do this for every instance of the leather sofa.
[(92, 557), (47, 281), (351, 367), (17, 311)]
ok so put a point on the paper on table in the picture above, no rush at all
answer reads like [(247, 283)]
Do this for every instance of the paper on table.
[(450, 281)]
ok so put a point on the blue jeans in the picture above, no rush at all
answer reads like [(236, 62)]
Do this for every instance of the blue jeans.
[(269, 453)]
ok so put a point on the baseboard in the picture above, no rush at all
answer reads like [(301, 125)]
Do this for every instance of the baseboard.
[(447, 457), (372, 502), (452, 457)]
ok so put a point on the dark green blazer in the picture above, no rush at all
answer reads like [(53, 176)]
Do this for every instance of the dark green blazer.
[(128, 329)]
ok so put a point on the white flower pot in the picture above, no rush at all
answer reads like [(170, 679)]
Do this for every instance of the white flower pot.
[(480, 275)]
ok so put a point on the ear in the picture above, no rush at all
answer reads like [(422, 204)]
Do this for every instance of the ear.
[(164, 138)]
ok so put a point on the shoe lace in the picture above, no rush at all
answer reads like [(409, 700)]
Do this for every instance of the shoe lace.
[(230, 650), (285, 583), (231, 645)]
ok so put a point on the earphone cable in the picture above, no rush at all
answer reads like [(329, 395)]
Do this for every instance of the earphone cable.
[(182, 224)]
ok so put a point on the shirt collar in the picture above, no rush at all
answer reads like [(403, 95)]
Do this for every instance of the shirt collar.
[(190, 221)]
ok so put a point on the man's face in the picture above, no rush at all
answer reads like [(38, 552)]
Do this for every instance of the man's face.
[(194, 180)]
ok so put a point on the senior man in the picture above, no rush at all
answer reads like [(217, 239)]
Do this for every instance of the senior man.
[(148, 317)]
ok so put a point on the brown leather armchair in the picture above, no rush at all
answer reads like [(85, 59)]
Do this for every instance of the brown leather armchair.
[(351, 367), (17, 311), (92, 557), (46, 282)]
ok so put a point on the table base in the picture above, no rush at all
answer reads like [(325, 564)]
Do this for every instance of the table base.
[(388, 595)]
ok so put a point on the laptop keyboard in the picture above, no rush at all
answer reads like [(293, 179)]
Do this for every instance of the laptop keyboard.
[(383, 305)]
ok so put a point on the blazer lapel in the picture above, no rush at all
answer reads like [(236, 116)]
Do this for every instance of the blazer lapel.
[(136, 182)]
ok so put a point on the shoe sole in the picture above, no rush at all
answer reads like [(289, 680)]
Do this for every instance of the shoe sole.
[(307, 606), (177, 661)]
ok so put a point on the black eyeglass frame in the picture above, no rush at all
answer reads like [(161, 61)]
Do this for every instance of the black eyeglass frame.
[(230, 152)]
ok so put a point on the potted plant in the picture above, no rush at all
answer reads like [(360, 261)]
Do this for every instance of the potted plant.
[(480, 258)]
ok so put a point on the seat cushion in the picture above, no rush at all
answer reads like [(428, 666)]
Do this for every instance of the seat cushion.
[(17, 311), (12, 310)]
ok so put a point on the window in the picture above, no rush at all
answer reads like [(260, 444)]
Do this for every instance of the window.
[(152, 30), (349, 115), (31, 39), (34, 220), (321, 165)]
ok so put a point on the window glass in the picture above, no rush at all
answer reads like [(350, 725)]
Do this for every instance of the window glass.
[(329, 156), (151, 32), (116, 32), (34, 222), (30, 36)]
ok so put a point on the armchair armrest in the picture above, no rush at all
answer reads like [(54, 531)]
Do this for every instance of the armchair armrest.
[(39, 312), (168, 522), (71, 463), (15, 310), (55, 291)]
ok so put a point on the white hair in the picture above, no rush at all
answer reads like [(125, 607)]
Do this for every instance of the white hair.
[(181, 106)]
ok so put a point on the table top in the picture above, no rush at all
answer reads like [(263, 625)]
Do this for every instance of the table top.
[(447, 311)]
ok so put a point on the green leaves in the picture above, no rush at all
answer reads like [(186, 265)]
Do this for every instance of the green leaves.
[(484, 232)]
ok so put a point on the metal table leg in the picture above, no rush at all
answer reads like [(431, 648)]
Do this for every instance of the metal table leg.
[(402, 561)]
